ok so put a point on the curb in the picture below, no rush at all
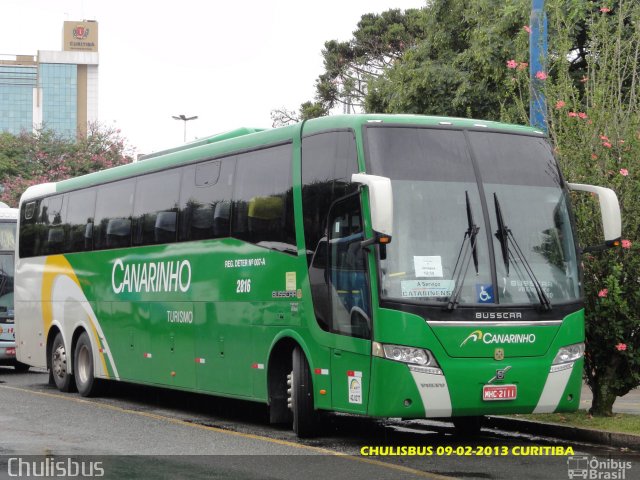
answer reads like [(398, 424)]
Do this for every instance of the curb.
[(611, 439)]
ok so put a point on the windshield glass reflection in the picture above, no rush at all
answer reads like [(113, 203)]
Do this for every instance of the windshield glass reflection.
[(433, 172)]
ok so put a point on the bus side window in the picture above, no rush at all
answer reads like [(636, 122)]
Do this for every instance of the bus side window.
[(114, 205), (328, 160), (50, 226), (80, 210), (28, 228), (262, 210), (205, 200), (155, 208)]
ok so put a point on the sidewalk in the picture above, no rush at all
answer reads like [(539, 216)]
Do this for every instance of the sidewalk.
[(629, 404)]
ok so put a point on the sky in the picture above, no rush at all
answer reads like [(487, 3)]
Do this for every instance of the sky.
[(230, 63)]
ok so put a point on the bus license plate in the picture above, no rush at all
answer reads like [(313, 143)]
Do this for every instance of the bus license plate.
[(499, 392)]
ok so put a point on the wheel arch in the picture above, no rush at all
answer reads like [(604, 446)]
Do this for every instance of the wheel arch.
[(279, 365), (77, 331), (51, 335), (285, 338)]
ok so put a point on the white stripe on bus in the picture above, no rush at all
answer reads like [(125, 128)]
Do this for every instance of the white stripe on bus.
[(553, 391)]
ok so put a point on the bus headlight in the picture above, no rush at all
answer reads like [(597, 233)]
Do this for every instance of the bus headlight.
[(570, 353), (400, 353)]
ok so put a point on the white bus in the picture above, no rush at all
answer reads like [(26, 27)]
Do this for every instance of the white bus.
[(8, 219)]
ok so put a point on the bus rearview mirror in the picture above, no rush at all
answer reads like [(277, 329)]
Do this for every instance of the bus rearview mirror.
[(610, 210), (381, 203)]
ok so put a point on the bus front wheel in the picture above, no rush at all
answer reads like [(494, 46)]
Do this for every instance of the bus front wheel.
[(59, 365), (305, 418), (83, 367)]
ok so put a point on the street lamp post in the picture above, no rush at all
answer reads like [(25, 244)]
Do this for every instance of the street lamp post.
[(185, 119)]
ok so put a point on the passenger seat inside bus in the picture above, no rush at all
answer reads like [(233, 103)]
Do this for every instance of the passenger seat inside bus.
[(165, 227), (263, 217), (118, 233)]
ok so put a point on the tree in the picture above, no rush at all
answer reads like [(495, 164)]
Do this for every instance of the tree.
[(458, 67), (378, 42), (44, 156), (594, 121), (281, 117), (592, 86)]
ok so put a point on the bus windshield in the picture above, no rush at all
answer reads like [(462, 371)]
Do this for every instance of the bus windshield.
[(8, 236), (462, 198), (7, 246)]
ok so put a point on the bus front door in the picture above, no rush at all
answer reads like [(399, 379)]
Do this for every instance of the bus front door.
[(349, 298)]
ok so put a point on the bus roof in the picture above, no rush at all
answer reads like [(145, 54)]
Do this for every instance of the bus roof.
[(247, 138), (8, 213), (238, 132)]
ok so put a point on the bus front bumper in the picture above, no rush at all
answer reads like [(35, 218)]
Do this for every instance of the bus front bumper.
[(468, 387)]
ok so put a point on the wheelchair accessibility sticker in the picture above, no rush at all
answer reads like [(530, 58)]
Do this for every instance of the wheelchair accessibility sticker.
[(484, 293)]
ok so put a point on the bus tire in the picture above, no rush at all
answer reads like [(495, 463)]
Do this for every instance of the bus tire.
[(468, 426), (84, 372), (59, 365), (305, 418)]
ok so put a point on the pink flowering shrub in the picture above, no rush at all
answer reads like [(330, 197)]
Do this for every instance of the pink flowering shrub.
[(594, 123), (42, 156), (541, 75)]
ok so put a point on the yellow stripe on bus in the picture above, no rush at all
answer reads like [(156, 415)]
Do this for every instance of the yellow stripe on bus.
[(55, 266)]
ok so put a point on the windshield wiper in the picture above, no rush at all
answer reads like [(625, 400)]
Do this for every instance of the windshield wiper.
[(507, 240), (472, 232), (468, 244)]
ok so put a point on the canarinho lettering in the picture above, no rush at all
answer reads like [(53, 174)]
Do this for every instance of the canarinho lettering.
[(500, 338), (149, 277), (509, 338)]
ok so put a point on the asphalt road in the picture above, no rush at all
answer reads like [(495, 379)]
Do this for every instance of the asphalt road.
[(144, 432)]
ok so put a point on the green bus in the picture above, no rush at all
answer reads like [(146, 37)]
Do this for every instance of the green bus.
[(380, 265)]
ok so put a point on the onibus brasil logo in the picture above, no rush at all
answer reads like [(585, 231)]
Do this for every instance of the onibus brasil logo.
[(489, 338)]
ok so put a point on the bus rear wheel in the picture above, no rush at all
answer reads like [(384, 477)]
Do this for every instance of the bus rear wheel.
[(305, 418), (59, 365), (84, 374)]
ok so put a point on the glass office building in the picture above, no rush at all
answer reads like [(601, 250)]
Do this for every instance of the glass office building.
[(57, 90), (17, 84), (59, 84)]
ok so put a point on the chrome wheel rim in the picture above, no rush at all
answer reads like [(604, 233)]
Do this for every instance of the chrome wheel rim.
[(59, 362)]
